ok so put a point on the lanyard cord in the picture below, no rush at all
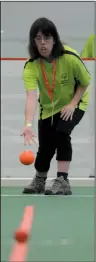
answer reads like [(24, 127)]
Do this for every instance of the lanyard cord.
[(50, 90)]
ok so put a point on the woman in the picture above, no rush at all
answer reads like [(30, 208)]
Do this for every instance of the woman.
[(63, 81)]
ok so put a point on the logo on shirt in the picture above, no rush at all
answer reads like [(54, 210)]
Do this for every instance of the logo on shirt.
[(64, 79)]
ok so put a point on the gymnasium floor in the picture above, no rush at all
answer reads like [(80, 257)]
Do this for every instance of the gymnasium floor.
[(62, 229)]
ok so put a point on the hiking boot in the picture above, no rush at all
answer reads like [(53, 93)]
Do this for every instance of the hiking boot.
[(59, 187), (67, 189), (37, 186)]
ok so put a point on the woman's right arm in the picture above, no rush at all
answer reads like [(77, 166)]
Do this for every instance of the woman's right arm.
[(30, 82), (30, 106)]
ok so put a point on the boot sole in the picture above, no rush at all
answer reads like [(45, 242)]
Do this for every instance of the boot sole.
[(48, 192), (68, 194), (29, 192)]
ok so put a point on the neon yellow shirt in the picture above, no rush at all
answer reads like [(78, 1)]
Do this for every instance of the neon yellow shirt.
[(70, 70), (89, 48)]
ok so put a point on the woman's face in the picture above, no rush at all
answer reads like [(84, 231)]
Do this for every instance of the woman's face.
[(44, 44)]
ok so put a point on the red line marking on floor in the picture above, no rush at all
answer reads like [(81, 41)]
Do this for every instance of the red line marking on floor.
[(19, 250), (19, 253)]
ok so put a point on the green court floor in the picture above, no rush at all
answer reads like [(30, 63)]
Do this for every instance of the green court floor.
[(63, 226)]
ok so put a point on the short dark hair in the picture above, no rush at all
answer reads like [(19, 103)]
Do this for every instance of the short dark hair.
[(48, 28)]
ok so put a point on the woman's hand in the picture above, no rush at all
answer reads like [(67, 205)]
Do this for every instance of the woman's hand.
[(67, 112), (28, 135)]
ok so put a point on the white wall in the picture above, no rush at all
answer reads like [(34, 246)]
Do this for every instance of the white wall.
[(12, 120), (74, 21)]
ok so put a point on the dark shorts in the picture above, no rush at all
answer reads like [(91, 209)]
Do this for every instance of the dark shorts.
[(55, 138)]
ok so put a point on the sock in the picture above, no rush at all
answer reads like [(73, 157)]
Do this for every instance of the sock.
[(41, 175), (65, 175)]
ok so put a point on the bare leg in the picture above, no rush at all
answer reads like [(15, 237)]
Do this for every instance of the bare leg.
[(63, 166)]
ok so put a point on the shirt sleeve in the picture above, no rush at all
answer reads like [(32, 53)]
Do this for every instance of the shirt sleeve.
[(88, 50), (30, 76), (81, 74)]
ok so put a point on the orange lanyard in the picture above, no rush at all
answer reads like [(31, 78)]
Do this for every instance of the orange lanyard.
[(50, 90)]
